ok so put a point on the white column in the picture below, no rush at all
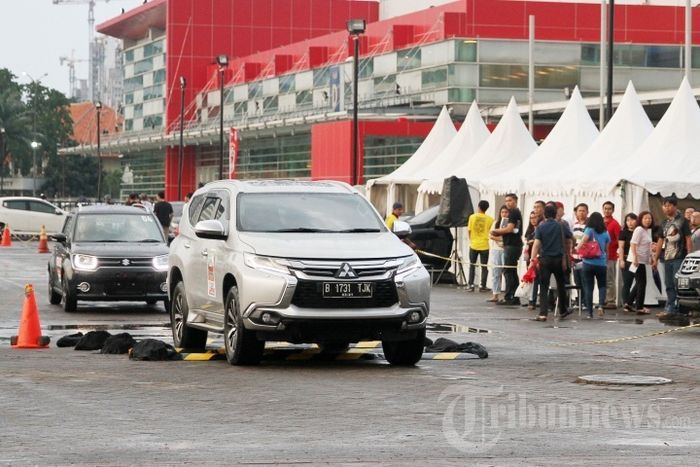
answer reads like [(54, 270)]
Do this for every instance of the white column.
[(603, 61), (688, 38), (531, 74)]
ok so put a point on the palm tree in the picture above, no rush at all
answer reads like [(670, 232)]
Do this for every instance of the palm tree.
[(16, 120)]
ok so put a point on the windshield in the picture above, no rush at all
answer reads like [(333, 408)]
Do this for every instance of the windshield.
[(177, 208), (306, 212), (117, 228), (425, 216)]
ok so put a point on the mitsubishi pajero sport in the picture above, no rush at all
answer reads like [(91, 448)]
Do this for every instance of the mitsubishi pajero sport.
[(303, 262)]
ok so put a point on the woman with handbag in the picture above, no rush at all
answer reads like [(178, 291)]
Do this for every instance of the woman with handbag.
[(640, 257), (593, 252), (496, 255)]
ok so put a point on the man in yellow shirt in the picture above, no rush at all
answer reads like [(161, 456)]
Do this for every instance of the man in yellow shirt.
[(478, 226), (396, 211)]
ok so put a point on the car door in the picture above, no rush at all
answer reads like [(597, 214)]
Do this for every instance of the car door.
[(43, 213), (205, 259), (62, 251), (189, 253), (17, 214)]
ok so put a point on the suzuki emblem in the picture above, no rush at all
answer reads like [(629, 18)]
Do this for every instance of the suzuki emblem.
[(125, 262), (346, 272)]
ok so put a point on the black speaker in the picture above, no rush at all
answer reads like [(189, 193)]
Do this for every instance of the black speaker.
[(455, 203)]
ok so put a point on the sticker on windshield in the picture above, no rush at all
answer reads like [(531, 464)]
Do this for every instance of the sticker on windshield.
[(211, 276), (147, 218)]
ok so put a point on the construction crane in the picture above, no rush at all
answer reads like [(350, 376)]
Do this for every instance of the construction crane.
[(91, 36), (71, 61)]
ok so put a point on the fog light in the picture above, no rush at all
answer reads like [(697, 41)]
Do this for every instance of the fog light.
[(164, 287), (414, 317), (269, 318), (84, 287)]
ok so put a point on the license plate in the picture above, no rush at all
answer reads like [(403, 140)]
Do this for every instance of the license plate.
[(347, 289), (683, 283)]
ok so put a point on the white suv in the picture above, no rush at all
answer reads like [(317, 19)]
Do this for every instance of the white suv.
[(303, 262), (26, 215)]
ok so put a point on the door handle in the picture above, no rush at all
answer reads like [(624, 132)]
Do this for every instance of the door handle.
[(186, 244), (205, 252)]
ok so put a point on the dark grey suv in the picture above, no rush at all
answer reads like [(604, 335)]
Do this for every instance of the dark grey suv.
[(688, 281)]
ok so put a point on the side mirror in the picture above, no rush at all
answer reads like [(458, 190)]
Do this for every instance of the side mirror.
[(401, 229), (212, 229), (58, 212), (59, 237)]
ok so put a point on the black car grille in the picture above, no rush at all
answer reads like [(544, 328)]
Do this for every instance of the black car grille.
[(308, 294), (690, 265), (119, 262)]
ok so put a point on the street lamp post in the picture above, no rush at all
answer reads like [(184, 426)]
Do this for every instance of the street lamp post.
[(181, 159), (34, 145), (355, 28), (222, 61), (98, 108), (2, 160)]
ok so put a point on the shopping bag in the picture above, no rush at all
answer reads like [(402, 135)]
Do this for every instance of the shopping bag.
[(524, 290)]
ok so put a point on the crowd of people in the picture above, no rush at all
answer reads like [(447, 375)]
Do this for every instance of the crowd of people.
[(162, 209), (580, 254)]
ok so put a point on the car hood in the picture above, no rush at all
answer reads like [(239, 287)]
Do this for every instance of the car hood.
[(126, 250), (326, 246)]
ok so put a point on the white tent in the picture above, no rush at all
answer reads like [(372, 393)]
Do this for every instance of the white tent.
[(508, 146), (470, 137), (570, 137), (401, 184), (669, 161)]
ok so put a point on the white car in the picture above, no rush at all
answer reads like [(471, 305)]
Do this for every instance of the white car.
[(26, 215)]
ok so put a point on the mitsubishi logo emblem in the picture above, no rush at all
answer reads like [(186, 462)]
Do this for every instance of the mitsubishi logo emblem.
[(125, 262), (346, 272)]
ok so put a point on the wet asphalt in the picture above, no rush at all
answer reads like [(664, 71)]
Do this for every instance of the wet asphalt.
[(521, 406)]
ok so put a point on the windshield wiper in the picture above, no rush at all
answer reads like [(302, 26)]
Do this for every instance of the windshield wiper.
[(100, 241), (360, 230), (150, 240), (301, 229)]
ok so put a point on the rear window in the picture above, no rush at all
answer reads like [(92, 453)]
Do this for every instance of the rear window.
[(117, 228), (306, 212)]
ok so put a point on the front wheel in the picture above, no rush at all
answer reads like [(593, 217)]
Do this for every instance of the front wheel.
[(54, 297), (183, 335), (405, 353), (240, 344), (70, 299)]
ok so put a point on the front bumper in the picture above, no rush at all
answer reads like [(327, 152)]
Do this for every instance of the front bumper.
[(115, 284), (688, 287), (397, 312)]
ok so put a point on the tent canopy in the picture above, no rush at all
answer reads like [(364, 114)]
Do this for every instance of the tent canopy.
[(668, 161), (570, 137), (471, 135)]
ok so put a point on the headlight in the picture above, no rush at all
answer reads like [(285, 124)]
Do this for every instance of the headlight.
[(264, 263), (85, 262), (160, 263), (409, 264)]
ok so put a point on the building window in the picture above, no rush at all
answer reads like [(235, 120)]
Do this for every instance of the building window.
[(515, 76), (465, 51), (435, 78), (129, 98), (154, 48), (408, 59), (270, 104), (240, 108), (305, 99), (159, 76), (129, 56), (630, 55), (283, 157), (153, 92), (321, 77), (366, 68), (128, 124), (254, 90), (385, 85), (143, 66), (132, 84), (461, 95), (384, 154), (152, 122), (138, 111), (287, 83), (663, 56), (590, 54)]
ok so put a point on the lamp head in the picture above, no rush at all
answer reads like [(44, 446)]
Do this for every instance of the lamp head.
[(183, 82), (98, 105), (222, 60), (357, 26)]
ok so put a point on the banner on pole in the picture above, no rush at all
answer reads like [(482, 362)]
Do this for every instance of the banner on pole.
[(337, 88), (233, 142)]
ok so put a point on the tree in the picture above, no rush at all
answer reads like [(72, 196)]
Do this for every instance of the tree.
[(16, 121)]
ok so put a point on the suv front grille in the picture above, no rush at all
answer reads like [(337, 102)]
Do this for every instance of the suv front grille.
[(308, 294), (690, 265), (119, 262)]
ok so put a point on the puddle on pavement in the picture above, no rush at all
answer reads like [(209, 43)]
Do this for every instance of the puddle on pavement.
[(104, 327), (447, 328)]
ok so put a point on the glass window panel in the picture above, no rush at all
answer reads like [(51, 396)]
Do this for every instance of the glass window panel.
[(663, 56), (129, 56), (128, 124), (129, 98), (385, 85), (159, 76), (465, 50), (287, 84), (383, 154), (321, 77), (408, 59), (590, 54), (503, 52), (434, 78), (270, 104), (131, 84), (366, 68), (152, 122), (515, 76), (695, 61), (143, 66), (462, 75), (153, 92), (630, 55), (288, 157), (461, 95), (557, 53), (153, 48), (304, 99), (240, 108), (138, 110), (254, 90)]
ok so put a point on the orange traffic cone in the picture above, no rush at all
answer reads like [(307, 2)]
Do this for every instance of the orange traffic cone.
[(29, 326), (6, 239), (43, 241)]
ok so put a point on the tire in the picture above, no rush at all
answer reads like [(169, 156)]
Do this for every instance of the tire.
[(240, 345), (405, 353), (70, 301), (183, 335), (54, 297)]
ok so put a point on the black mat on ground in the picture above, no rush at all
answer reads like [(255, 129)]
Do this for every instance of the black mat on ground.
[(93, 340), (153, 350), (118, 344), (69, 340), (446, 345)]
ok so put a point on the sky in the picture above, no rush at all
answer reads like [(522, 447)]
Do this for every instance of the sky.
[(35, 33)]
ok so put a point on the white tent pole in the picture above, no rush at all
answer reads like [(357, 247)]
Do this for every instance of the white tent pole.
[(688, 38), (601, 110), (531, 74)]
